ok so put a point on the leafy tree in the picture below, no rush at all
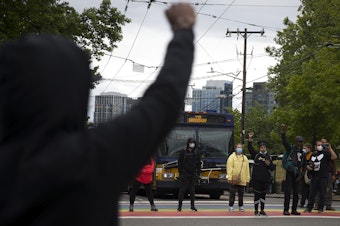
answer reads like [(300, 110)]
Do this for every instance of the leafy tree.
[(237, 125), (95, 30), (307, 76)]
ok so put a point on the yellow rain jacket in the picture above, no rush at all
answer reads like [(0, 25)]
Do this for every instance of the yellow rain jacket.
[(238, 165)]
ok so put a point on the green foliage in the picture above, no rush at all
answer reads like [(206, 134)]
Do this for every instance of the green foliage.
[(307, 75), (95, 30), (259, 121), (237, 121)]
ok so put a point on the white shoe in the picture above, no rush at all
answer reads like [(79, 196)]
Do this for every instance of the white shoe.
[(241, 208), (231, 209)]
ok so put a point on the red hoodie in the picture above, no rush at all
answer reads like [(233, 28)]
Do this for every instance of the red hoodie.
[(145, 175)]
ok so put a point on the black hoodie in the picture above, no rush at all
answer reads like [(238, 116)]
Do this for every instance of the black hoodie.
[(189, 161), (54, 171)]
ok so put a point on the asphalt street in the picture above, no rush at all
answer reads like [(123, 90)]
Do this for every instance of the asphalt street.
[(215, 212)]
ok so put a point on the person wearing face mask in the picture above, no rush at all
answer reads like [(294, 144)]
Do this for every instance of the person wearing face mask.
[(261, 174), (307, 149), (238, 176), (297, 158), (321, 160), (189, 167)]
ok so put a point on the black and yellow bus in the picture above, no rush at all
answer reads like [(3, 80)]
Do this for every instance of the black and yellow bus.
[(214, 134)]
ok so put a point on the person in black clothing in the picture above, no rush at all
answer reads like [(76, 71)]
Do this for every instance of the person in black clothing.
[(261, 176), (319, 166), (189, 167), (297, 157), (53, 170)]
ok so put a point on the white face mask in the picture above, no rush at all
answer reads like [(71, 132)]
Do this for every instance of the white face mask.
[(304, 150), (192, 145), (319, 148)]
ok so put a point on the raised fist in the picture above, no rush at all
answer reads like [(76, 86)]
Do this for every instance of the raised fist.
[(283, 128)]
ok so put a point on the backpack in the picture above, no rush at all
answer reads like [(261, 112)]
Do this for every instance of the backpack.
[(287, 163)]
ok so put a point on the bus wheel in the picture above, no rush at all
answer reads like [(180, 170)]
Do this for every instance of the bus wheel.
[(215, 195)]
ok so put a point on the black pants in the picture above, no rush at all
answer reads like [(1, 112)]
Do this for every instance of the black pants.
[(187, 183), (291, 185), (134, 189), (304, 192), (318, 185), (260, 190), (232, 193)]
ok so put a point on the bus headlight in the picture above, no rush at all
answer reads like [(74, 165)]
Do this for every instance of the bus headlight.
[(168, 175), (222, 176)]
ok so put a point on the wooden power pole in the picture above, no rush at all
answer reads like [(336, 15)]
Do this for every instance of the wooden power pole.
[(244, 34)]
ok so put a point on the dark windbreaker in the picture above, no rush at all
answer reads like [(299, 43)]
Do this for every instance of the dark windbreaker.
[(261, 171), (53, 171)]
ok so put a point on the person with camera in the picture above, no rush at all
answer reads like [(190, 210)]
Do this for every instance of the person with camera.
[(332, 172), (319, 166), (261, 175)]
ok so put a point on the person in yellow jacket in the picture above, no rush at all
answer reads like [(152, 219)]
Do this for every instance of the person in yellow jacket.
[(238, 176)]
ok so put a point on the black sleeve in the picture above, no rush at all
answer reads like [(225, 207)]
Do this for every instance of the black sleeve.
[(251, 150), (271, 166), (135, 136), (285, 142), (180, 162), (198, 167)]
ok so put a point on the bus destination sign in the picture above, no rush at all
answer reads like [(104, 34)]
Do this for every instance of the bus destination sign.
[(197, 119)]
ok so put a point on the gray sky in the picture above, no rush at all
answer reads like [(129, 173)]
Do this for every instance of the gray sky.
[(146, 37)]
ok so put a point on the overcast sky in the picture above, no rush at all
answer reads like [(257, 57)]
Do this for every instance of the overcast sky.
[(146, 37)]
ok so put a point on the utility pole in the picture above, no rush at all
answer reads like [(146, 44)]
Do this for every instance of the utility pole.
[(244, 34)]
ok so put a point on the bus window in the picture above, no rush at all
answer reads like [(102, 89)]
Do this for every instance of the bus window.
[(176, 141), (214, 142)]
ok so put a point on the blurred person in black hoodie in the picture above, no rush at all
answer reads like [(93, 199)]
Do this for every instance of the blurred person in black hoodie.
[(261, 176), (53, 170)]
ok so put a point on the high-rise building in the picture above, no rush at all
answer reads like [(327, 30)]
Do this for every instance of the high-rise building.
[(216, 96), (110, 105), (261, 95)]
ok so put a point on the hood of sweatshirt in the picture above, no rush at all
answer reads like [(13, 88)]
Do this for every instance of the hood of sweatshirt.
[(44, 87)]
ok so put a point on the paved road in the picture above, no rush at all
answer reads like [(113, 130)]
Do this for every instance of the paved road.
[(214, 212)]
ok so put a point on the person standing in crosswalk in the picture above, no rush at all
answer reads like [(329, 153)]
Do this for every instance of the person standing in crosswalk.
[(261, 175)]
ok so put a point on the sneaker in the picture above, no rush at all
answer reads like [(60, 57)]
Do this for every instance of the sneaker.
[(131, 208), (307, 211), (286, 213), (153, 208), (263, 213), (193, 208), (256, 213), (295, 213), (179, 209), (241, 208), (330, 208), (231, 209)]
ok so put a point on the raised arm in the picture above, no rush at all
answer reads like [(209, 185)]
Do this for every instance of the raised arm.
[(284, 138), (250, 145)]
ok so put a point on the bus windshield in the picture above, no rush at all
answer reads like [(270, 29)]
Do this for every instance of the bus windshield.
[(212, 142)]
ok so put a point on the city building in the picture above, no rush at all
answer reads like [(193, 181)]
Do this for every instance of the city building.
[(261, 95), (215, 96), (110, 105)]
